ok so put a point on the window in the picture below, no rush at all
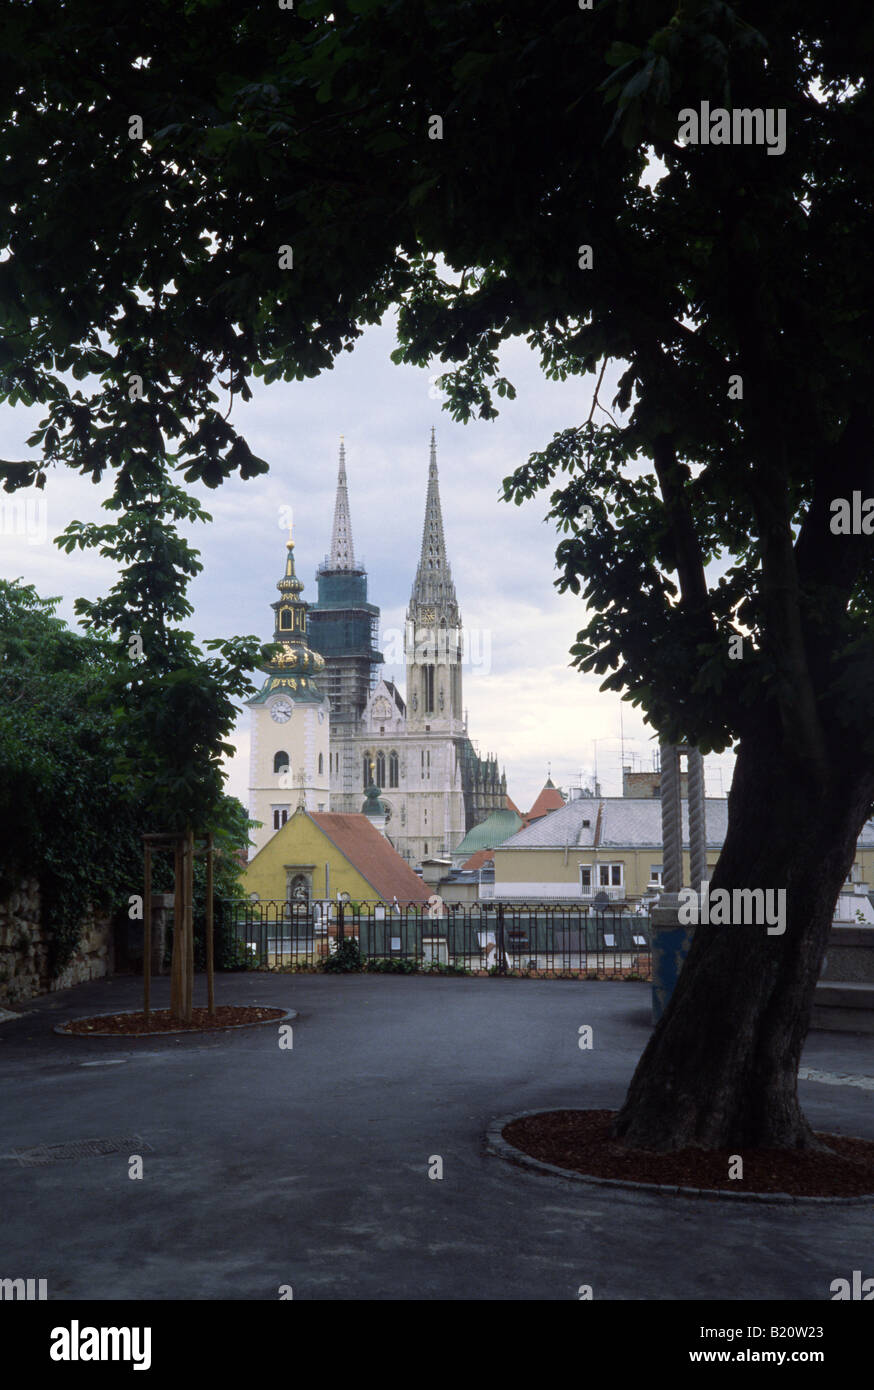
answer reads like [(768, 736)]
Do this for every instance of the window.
[(321, 763), (428, 672), (366, 778), (393, 769), (280, 761), (280, 816), (585, 875), (380, 769), (655, 873), (426, 846), (610, 875), (286, 619)]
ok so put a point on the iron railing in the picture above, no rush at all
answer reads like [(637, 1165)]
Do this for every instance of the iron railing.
[(500, 937)]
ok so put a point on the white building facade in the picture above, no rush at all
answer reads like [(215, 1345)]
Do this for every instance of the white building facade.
[(289, 760)]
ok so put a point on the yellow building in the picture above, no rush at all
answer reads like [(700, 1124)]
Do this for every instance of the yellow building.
[(595, 846), (316, 856), (613, 846)]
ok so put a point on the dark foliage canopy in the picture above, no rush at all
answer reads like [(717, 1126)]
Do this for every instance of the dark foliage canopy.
[(266, 128), (65, 778)]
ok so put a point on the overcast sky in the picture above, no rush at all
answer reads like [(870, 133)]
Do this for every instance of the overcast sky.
[(525, 702)]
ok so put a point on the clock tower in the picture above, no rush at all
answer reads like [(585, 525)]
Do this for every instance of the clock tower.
[(289, 760)]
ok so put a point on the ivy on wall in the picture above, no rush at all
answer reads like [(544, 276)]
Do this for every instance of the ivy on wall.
[(66, 819)]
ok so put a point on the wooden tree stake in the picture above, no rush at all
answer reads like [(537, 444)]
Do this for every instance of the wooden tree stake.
[(210, 944), (147, 933)]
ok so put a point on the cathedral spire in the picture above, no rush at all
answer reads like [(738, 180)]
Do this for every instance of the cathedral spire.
[(433, 583), (342, 551)]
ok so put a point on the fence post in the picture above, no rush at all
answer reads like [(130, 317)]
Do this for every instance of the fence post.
[(499, 941), (340, 933)]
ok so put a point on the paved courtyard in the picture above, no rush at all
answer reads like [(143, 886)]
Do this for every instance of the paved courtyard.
[(309, 1166)]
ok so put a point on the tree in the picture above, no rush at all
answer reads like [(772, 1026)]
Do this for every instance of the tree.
[(309, 171), (54, 791), (61, 740), (172, 709)]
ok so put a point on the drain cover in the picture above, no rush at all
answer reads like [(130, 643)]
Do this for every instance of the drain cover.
[(80, 1148)]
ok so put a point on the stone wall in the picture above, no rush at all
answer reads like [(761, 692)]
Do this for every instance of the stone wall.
[(24, 949)]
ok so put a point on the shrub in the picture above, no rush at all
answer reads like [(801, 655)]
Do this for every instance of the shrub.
[(346, 957), (400, 965), (238, 956)]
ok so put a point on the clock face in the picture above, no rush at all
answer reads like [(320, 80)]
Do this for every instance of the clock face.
[(428, 615), (280, 710)]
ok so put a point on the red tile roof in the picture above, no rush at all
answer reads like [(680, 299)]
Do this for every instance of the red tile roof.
[(549, 799), (482, 856), (370, 853)]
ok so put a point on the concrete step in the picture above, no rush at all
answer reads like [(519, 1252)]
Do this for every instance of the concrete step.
[(843, 1007)]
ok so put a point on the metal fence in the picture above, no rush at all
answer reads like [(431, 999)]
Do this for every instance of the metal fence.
[(497, 937)]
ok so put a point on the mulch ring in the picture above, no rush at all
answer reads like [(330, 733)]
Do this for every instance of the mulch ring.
[(580, 1141), (160, 1021)]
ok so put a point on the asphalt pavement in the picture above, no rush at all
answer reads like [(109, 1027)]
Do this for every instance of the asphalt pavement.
[(308, 1166)]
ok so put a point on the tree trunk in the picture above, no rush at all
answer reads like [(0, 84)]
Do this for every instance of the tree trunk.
[(720, 1070)]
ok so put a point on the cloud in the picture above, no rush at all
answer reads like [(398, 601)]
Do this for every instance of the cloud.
[(530, 708)]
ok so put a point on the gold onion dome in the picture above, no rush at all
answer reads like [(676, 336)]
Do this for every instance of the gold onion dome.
[(295, 657)]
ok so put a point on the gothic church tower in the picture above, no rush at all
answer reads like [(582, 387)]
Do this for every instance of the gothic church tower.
[(433, 786), (433, 635), (343, 626)]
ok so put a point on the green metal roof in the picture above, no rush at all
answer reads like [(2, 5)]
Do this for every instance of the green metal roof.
[(301, 690), (494, 830)]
